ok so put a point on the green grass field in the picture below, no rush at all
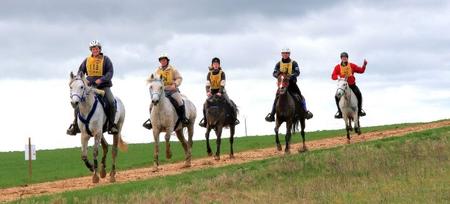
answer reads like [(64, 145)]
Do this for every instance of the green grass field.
[(66, 163), (410, 169)]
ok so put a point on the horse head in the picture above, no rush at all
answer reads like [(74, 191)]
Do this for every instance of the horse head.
[(156, 88), (341, 87), (283, 82), (78, 88)]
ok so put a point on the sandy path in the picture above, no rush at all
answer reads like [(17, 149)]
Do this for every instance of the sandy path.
[(14, 193)]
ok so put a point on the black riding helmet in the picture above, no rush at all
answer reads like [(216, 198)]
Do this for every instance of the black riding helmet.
[(344, 54), (215, 59)]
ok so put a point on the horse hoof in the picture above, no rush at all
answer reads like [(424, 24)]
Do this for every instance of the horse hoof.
[(186, 165), (232, 156), (155, 169), (95, 179), (279, 148), (301, 150), (169, 156), (210, 154), (102, 173), (348, 141), (217, 158), (112, 179), (287, 152)]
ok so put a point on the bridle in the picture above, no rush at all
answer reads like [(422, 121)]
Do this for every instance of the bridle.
[(83, 96)]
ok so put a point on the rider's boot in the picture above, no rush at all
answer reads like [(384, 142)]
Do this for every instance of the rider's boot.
[(73, 128), (338, 115), (182, 115), (361, 113), (271, 116), (112, 127)]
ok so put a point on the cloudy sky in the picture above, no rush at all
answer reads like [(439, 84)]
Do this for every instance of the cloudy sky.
[(405, 42)]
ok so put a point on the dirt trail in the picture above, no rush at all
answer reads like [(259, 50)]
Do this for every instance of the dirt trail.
[(14, 193)]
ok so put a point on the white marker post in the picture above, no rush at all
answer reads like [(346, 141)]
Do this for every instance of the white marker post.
[(30, 154)]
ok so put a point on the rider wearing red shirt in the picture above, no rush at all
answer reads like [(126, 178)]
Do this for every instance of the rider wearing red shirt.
[(346, 70)]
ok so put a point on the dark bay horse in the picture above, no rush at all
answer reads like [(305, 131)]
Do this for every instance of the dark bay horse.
[(288, 110), (219, 114)]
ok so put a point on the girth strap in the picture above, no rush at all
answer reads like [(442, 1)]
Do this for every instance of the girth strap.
[(89, 117)]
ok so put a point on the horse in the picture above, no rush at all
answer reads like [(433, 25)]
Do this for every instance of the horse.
[(92, 122), (348, 104), (219, 115), (290, 112), (165, 119)]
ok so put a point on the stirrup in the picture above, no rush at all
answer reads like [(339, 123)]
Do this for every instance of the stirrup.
[(270, 117), (361, 113), (73, 130), (308, 115), (338, 115), (147, 124), (202, 123), (236, 122), (113, 130), (185, 121)]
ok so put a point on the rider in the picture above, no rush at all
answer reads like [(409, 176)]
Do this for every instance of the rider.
[(215, 85), (290, 67), (99, 70), (172, 80), (346, 70)]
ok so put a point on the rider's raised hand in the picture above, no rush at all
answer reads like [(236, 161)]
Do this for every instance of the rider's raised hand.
[(365, 62), (98, 81), (208, 94), (219, 94)]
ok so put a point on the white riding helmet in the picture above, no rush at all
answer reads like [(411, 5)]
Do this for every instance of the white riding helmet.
[(286, 50), (163, 55), (95, 43)]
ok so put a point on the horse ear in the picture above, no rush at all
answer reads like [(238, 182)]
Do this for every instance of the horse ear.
[(72, 75), (150, 78)]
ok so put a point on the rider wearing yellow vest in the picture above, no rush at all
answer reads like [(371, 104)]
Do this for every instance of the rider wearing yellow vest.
[(172, 80), (215, 85), (288, 66), (99, 72)]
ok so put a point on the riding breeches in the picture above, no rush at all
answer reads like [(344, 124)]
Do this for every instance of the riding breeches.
[(175, 95), (110, 106), (357, 92)]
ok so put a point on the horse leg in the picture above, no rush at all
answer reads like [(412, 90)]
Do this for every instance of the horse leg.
[(277, 138), (185, 145), (287, 149), (357, 127), (84, 144), (232, 129), (347, 127), (112, 175), (156, 150), (168, 152), (302, 132), (218, 141), (208, 147), (98, 138), (105, 152)]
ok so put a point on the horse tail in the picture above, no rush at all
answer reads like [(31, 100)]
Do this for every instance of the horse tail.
[(123, 146)]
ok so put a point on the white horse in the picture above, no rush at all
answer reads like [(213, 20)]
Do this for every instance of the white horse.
[(349, 106), (91, 121), (164, 119)]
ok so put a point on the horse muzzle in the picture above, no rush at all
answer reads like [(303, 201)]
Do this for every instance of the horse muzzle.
[(155, 102), (74, 104)]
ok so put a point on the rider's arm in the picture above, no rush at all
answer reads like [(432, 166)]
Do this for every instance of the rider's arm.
[(296, 69), (222, 82), (109, 70), (276, 70), (208, 83), (335, 73), (358, 69), (82, 68), (177, 79)]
